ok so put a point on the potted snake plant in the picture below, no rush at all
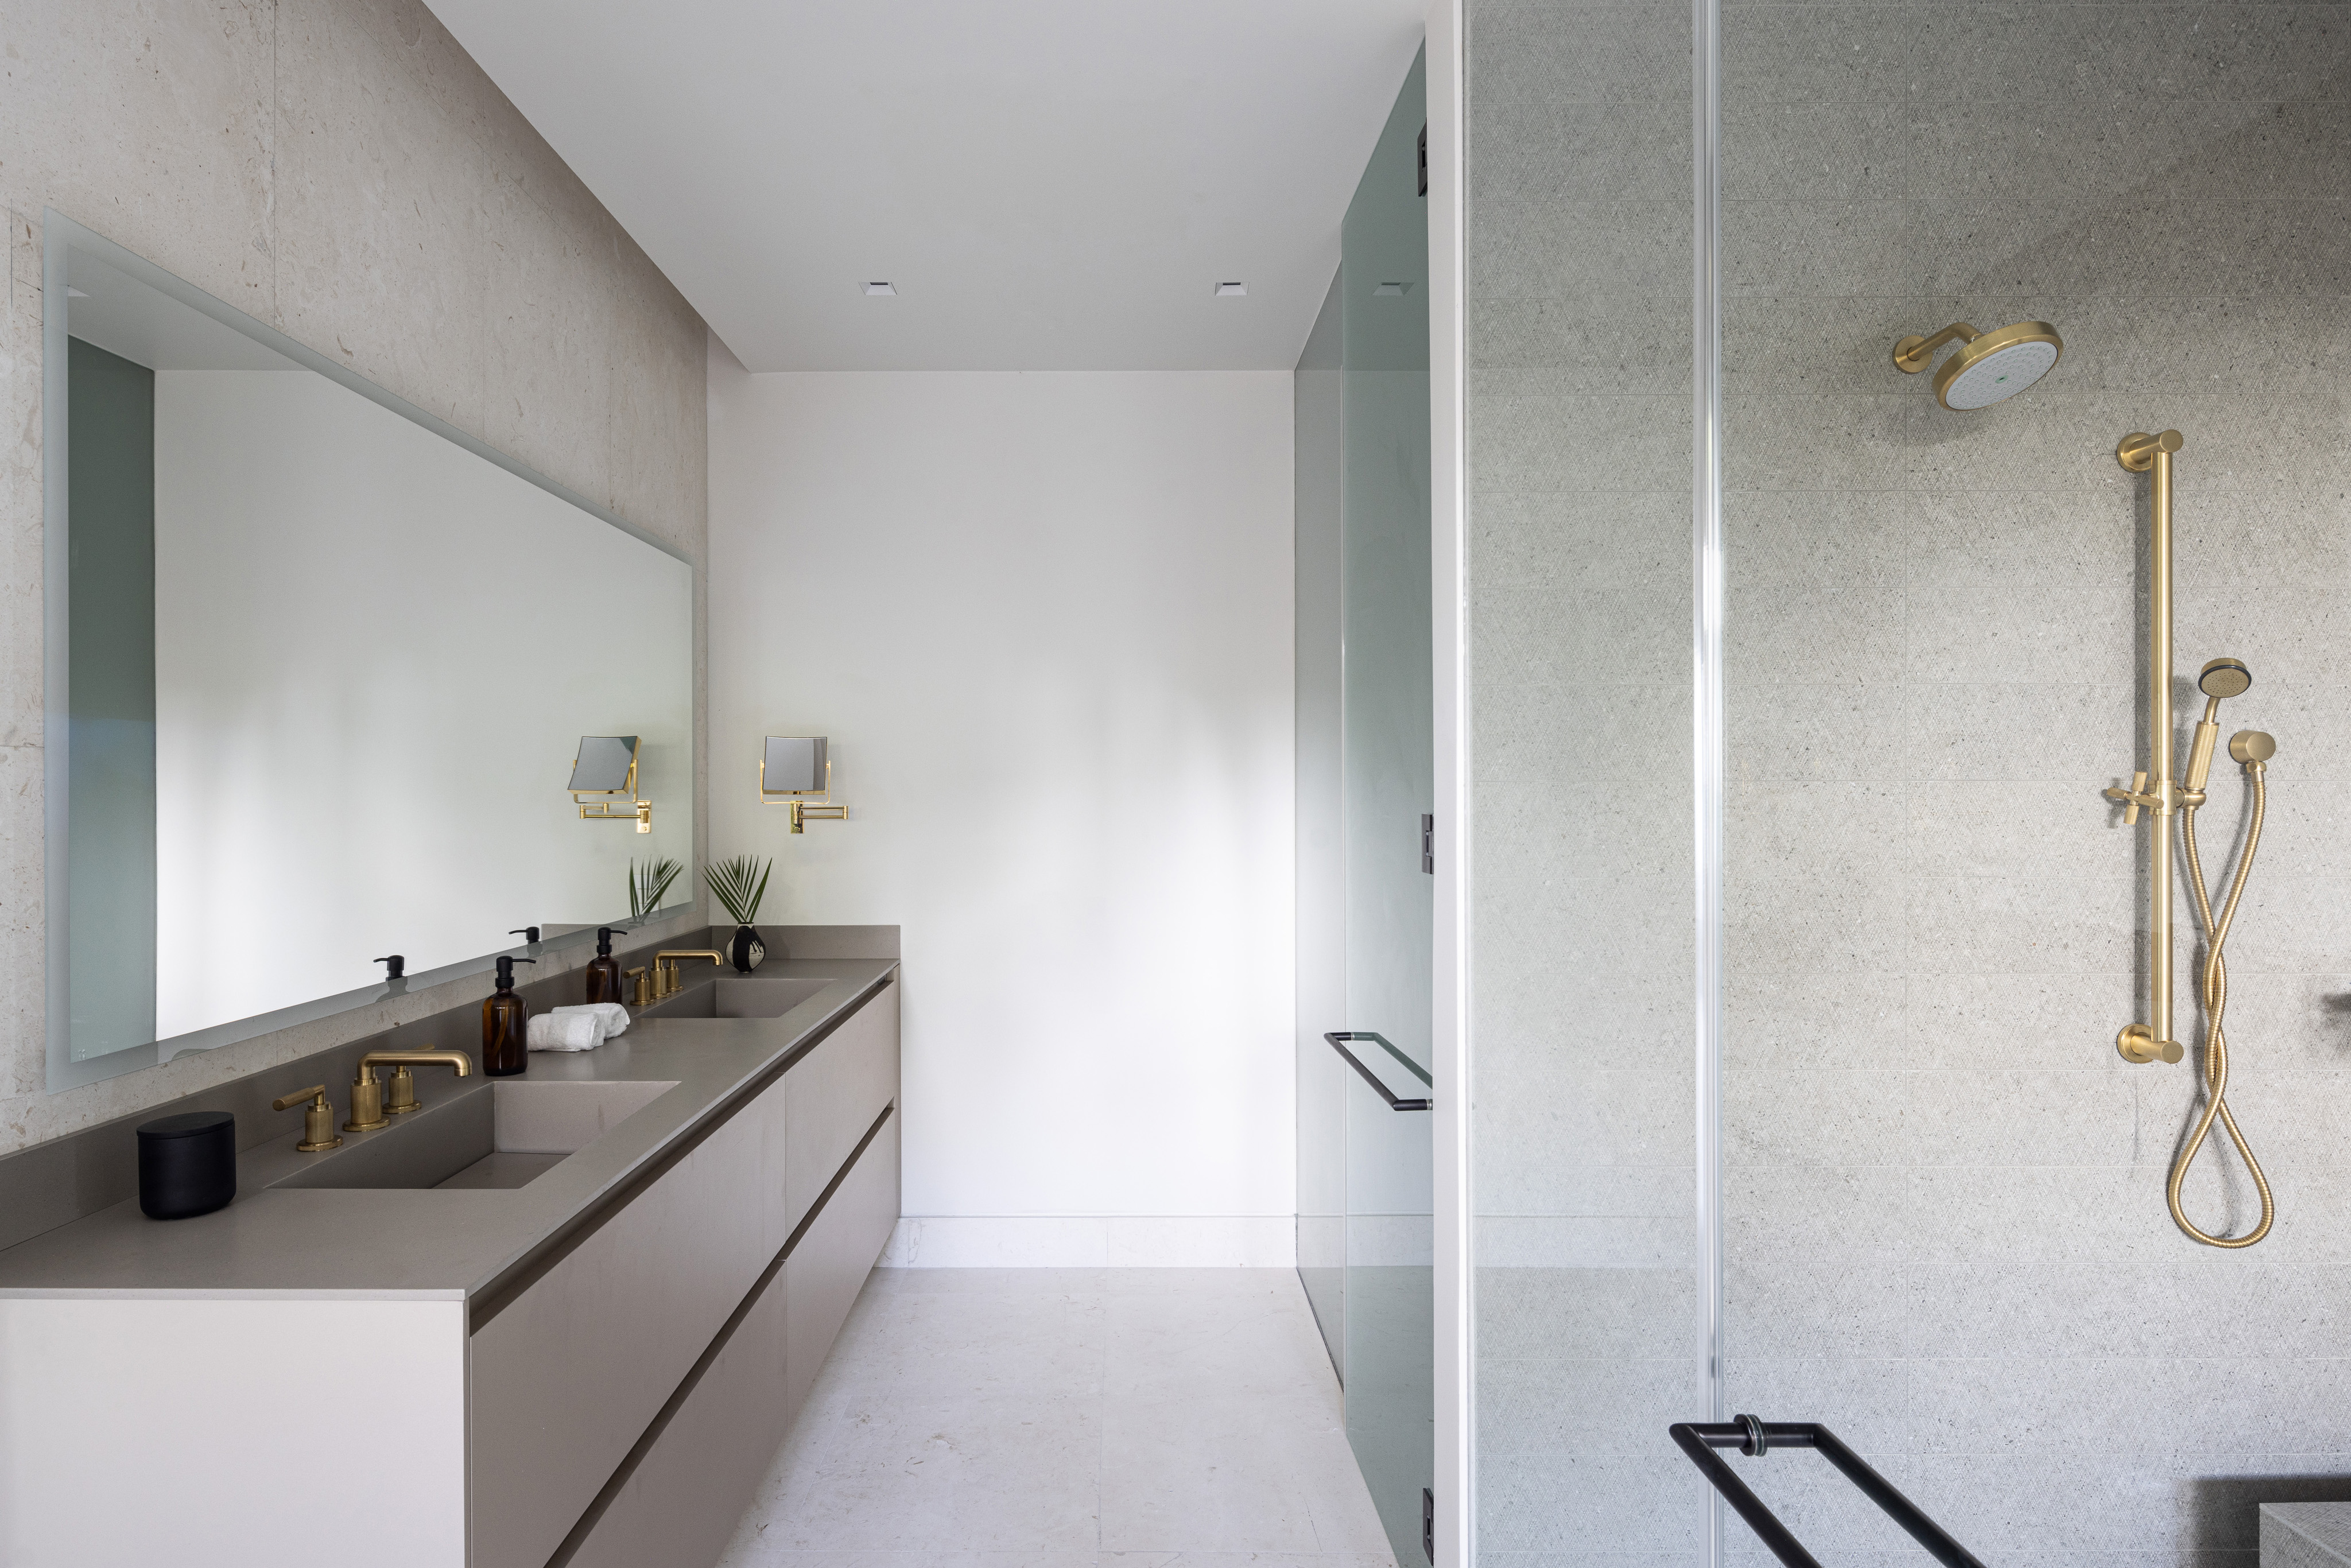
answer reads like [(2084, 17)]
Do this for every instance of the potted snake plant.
[(739, 884)]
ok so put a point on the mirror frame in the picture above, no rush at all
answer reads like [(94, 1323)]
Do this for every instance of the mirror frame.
[(59, 235)]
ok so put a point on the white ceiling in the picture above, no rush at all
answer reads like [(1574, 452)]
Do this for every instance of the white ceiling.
[(1051, 184)]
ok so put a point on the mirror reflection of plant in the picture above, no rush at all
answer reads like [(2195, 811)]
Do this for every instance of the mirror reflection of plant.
[(740, 883), (648, 882)]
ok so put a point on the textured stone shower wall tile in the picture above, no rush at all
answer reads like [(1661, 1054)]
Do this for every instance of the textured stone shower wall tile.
[(1614, 251), (1626, 1313), (1556, 1402), (1561, 1503)]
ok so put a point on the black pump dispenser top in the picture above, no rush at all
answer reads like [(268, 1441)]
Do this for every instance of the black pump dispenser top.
[(505, 970), (603, 941), (398, 965)]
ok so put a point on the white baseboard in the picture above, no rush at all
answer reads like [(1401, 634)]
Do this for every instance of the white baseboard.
[(1094, 1241)]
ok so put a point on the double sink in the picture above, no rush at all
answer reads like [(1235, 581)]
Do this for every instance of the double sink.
[(474, 1132)]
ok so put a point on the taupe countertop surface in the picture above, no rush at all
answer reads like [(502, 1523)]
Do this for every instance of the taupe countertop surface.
[(439, 1242)]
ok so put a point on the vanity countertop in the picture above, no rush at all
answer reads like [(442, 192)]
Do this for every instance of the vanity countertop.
[(440, 1242)]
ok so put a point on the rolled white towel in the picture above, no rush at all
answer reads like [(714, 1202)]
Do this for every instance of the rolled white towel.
[(615, 1015), (558, 1031)]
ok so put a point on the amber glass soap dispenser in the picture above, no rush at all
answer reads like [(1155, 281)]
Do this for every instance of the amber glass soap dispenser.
[(506, 1025), (604, 970)]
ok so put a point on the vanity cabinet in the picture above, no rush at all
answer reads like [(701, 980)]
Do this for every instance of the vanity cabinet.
[(620, 1391), (594, 1364)]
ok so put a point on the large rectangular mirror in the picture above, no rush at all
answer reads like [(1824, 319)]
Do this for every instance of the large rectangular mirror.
[(324, 667)]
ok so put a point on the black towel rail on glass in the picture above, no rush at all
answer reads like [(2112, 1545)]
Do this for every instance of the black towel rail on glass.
[(1755, 1439), (1337, 1037)]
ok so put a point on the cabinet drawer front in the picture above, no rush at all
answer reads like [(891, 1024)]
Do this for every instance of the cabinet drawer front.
[(681, 1505), (566, 1378), (833, 1093), (827, 1270)]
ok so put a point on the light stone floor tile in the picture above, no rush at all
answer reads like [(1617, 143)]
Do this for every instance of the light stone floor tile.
[(1068, 1418)]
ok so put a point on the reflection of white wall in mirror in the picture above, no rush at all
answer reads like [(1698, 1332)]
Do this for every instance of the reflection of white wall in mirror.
[(376, 653)]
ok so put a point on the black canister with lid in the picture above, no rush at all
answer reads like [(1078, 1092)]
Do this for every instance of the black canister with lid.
[(187, 1164)]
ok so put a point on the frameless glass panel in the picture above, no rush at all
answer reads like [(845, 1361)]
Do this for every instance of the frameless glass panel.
[(1321, 883), (1387, 786), (1579, 270)]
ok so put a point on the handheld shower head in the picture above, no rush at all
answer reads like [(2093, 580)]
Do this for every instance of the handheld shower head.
[(2220, 678), (2225, 678), (1989, 368)]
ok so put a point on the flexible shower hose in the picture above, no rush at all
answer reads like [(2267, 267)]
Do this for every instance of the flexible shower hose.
[(2216, 1043)]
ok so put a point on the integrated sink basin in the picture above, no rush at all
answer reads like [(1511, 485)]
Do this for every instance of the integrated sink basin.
[(500, 1133), (737, 996)]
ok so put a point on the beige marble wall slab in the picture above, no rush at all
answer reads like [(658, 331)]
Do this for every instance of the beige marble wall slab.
[(341, 169)]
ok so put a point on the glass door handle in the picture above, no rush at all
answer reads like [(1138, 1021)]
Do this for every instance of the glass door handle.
[(1337, 1038)]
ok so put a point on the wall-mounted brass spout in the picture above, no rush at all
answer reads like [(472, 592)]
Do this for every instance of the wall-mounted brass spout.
[(368, 1112)]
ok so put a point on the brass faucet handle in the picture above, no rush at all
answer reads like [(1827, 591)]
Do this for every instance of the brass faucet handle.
[(643, 990), (400, 1093), (317, 1121)]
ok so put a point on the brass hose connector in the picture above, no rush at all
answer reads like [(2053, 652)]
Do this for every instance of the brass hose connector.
[(2253, 750)]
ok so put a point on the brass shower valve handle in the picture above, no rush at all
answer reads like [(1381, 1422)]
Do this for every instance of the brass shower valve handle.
[(2160, 802)]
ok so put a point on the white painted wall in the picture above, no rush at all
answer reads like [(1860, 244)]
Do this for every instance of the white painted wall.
[(1046, 620)]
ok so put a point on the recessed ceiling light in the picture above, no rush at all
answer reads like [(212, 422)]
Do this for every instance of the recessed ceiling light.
[(1232, 290), (1393, 290), (878, 287)]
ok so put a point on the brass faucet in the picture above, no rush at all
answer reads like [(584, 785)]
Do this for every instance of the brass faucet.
[(641, 993), (665, 980), (369, 1110)]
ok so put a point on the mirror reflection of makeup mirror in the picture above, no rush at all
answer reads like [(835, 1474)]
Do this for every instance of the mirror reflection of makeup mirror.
[(793, 765), (312, 652), (605, 781), (607, 765)]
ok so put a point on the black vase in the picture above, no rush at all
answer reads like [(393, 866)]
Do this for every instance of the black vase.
[(746, 949)]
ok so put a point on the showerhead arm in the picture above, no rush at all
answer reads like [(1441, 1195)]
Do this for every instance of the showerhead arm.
[(1911, 354)]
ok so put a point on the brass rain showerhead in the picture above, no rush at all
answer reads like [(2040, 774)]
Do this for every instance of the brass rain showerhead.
[(1989, 367)]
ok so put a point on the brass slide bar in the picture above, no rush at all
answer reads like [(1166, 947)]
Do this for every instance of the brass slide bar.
[(2155, 789)]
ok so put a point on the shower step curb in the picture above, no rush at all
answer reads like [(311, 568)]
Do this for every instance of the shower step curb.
[(2307, 1535)]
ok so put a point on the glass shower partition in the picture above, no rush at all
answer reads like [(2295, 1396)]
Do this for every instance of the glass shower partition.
[(1367, 785)]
